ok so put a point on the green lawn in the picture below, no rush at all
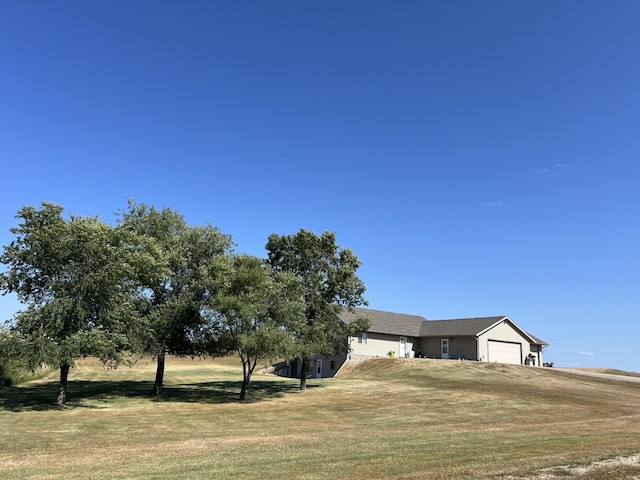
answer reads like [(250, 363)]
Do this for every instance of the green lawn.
[(404, 419)]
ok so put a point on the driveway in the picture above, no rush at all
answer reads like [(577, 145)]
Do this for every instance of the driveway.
[(621, 378)]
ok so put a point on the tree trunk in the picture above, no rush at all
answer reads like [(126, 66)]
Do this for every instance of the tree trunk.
[(157, 386), (247, 371), (303, 374), (243, 390), (62, 388), (245, 380)]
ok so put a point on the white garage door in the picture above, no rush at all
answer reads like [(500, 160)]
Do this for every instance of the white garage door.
[(505, 352)]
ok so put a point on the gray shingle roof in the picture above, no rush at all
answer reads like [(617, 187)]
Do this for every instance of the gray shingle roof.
[(457, 327), (387, 322), (417, 326), (538, 341)]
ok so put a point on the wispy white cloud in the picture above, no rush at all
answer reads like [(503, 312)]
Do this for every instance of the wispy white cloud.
[(557, 168), (496, 204), (586, 354)]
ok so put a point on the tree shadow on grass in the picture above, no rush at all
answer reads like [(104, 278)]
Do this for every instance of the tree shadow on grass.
[(91, 394)]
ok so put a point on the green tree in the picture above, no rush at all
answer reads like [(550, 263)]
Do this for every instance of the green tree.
[(329, 282), (173, 262), (8, 359), (71, 274), (253, 310)]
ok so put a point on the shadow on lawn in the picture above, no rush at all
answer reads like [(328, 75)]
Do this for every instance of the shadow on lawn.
[(42, 396)]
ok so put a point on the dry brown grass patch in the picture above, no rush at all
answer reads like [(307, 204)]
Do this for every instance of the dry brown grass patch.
[(389, 418)]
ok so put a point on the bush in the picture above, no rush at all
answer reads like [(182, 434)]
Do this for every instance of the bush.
[(12, 372), (5, 378)]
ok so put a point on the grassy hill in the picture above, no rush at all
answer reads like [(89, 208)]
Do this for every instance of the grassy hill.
[(388, 418)]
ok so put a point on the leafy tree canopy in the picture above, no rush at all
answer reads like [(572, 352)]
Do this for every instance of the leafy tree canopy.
[(329, 283), (174, 261), (254, 310), (72, 276)]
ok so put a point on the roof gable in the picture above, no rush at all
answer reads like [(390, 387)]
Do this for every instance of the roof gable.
[(471, 327)]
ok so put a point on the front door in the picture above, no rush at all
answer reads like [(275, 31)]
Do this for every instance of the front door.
[(444, 348), (403, 347), (319, 368)]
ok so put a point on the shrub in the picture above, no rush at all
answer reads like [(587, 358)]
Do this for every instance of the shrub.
[(5, 378), (12, 370)]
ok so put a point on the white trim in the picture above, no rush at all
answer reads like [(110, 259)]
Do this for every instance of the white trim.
[(443, 342), (403, 342)]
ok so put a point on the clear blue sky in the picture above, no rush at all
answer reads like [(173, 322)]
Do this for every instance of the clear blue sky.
[(481, 158)]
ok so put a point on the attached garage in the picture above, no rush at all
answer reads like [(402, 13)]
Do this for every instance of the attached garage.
[(505, 352)]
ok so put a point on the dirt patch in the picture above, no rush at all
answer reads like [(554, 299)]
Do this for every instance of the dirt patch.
[(623, 468)]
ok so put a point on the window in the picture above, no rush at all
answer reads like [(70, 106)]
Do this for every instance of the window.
[(333, 364), (362, 338)]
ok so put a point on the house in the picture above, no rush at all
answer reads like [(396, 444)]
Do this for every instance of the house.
[(486, 339)]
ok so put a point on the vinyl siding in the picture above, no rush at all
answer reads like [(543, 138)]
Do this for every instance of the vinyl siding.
[(379, 345), (459, 347)]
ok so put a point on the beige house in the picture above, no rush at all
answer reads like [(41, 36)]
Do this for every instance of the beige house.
[(486, 339)]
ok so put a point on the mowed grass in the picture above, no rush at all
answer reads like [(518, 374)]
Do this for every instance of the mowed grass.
[(388, 418)]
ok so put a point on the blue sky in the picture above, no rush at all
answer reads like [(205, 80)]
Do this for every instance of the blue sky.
[(481, 158)]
